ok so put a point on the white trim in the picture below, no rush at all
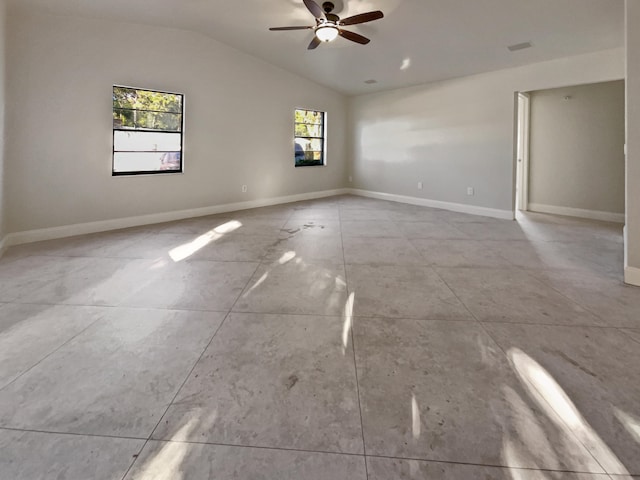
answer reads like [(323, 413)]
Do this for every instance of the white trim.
[(29, 236), (632, 276), (425, 202), (525, 130), (578, 212)]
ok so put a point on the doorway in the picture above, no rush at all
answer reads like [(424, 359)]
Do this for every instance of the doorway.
[(522, 153)]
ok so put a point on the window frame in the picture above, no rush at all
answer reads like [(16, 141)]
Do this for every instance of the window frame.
[(323, 137), (114, 130)]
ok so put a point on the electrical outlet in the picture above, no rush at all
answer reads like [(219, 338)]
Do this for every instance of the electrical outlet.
[(244, 189), (419, 185), (350, 179), (470, 191)]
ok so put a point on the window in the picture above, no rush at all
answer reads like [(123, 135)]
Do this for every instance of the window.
[(309, 138), (147, 131)]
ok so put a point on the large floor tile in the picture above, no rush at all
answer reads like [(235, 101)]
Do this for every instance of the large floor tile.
[(634, 334), (173, 460), (326, 214), (193, 285), (370, 228), (21, 276), (502, 230), (458, 253), (308, 247), (412, 213), (364, 214), (46, 456), (589, 377), (104, 244), (441, 231), (272, 381), (380, 251), (233, 248), (445, 391), (28, 333), (614, 302), (257, 225), (116, 378), (307, 226), (535, 254), (402, 292), (396, 469), (100, 281), (294, 285), (510, 295), (568, 229), (595, 258)]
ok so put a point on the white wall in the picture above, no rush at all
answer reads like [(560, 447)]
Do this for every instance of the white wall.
[(3, 207), (632, 230), (459, 133), (577, 148), (238, 122)]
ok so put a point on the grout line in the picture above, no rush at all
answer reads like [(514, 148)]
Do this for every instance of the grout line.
[(340, 207), (176, 395), (452, 462), (191, 371), (353, 346), (100, 318), (484, 329), (302, 450), (76, 434), (123, 307)]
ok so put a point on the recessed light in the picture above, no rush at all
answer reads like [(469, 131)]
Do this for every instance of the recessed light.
[(370, 82), (519, 46)]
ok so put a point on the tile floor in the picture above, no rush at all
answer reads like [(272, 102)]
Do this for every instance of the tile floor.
[(341, 338)]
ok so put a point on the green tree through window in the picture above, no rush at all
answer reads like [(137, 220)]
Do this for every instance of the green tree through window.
[(147, 131), (309, 138)]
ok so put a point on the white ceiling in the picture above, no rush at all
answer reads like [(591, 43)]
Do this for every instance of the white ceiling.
[(438, 39)]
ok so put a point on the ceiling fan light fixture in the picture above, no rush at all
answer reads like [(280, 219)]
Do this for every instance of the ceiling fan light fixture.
[(327, 32)]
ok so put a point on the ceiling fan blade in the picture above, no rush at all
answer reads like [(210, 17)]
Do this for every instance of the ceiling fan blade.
[(314, 8), (314, 43), (277, 29), (354, 37), (362, 18)]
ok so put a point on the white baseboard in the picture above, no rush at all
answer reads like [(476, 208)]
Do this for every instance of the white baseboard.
[(30, 236), (632, 276), (424, 202), (577, 212)]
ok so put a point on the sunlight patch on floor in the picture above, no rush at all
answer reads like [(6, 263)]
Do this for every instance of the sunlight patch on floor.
[(186, 250), (348, 321), (553, 400)]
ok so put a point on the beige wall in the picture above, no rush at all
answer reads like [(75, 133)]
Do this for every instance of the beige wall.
[(238, 122), (632, 230), (458, 133), (577, 148)]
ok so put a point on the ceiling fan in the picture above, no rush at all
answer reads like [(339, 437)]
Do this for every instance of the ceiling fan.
[(327, 27)]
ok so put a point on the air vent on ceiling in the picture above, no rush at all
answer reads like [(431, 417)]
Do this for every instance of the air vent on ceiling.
[(519, 46), (370, 82)]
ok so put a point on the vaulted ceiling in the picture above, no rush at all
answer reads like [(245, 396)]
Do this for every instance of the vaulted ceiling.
[(418, 41)]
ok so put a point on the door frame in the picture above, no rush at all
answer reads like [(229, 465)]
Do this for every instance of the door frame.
[(523, 132)]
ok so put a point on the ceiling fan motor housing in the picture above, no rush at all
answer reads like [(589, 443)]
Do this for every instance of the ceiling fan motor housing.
[(328, 7)]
